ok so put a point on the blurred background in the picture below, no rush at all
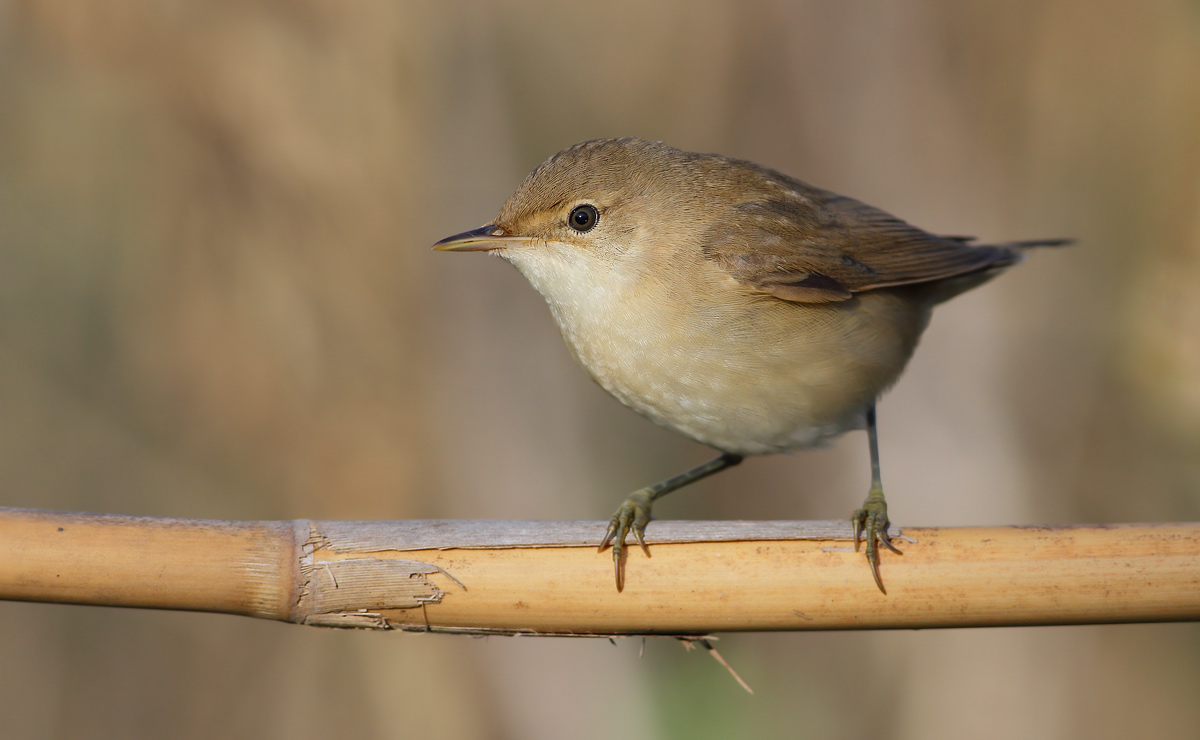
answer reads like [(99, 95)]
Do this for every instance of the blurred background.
[(217, 299)]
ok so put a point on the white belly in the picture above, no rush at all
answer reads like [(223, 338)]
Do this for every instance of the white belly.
[(764, 383), (744, 373), (729, 396)]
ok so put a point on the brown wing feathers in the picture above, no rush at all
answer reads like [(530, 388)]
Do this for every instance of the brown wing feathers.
[(813, 246)]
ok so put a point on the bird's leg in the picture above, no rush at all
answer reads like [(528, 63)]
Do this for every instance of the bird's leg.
[(872, 519), (634, 514)]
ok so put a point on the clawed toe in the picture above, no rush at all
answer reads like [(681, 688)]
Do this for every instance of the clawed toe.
[(630, 518), (871, 526)]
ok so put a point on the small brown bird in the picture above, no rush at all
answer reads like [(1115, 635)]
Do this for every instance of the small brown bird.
[(740, 307)]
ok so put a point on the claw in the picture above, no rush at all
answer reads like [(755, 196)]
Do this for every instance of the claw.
[(640, 519), (631, 517), (886, 539), (639, 533), (619, 561), (874, 561), (608, 535), (871, 525)]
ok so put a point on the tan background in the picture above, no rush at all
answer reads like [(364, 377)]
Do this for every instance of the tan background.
[(217, 300)]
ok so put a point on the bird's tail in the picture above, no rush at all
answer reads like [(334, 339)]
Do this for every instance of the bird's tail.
[(1034, 243), (1007, 255)]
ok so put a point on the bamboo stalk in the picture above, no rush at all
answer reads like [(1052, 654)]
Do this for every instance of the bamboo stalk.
[(546, 577)]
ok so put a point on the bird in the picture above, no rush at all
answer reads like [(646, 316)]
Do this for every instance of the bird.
[(736, 305)]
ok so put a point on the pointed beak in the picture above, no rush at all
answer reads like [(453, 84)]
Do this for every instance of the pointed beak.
[(483, 239)]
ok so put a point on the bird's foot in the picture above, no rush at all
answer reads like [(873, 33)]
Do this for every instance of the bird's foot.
[(632, 516), (871, 524)]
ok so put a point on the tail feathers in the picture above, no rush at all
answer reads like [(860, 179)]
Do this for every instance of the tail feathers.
[(1006, 255), (1033, 243), (1030, 244)]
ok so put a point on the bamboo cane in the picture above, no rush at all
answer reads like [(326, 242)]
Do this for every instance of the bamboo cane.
[(517, 577)]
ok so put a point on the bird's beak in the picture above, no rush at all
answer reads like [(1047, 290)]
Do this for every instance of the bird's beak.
[(483, 239)]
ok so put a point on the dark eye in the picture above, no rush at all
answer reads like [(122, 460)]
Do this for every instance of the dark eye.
[(583, 217)]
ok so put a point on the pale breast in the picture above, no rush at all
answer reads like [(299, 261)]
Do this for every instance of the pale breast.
[(750, 376), (739, 371)]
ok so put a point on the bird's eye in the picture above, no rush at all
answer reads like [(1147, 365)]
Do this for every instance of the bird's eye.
[(583, 217)]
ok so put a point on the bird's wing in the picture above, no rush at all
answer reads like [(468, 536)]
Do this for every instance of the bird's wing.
[(807, 245)]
